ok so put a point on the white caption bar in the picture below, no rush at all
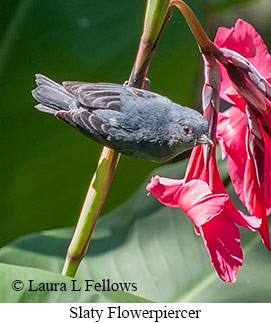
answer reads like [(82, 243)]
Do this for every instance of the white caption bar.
[(130, 312)]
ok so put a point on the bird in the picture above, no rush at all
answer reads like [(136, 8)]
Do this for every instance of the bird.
[(132, 121)]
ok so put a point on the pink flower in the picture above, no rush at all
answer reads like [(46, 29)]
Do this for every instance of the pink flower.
[(204, 199), (243, 39), (244, 133), (244, 130)]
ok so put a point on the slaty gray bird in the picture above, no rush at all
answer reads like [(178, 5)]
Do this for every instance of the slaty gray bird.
[(132, 121)]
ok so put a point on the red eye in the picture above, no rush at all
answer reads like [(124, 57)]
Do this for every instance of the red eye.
[(186, 129)]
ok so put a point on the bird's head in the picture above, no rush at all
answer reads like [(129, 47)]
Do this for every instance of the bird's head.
[(190, 129)]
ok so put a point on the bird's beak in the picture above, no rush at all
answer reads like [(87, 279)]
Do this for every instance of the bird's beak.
[(204, 139)]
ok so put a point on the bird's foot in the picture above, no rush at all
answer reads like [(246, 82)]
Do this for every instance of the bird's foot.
[(147, 84)]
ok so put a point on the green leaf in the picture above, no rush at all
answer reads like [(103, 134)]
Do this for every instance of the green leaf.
[(45, 165), (59, 288), (156, 247)]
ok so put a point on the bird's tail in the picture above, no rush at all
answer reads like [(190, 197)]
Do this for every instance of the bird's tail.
[(52, 96)]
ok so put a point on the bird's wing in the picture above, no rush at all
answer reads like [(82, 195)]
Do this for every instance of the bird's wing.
[(107, 95), (92, 125), (112, 113)]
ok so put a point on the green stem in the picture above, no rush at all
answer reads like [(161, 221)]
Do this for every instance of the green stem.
[(156, 16), (94, 201)]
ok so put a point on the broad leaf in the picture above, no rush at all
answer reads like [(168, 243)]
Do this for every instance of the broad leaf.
[(20, 284), (156, 247)]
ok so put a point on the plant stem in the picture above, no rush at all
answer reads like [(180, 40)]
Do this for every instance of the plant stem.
[(202, 39), (155, 19), (157, 14), (94, 201)]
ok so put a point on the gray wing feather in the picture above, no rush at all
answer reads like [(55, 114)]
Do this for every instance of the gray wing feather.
[(92, 125), (108, 95), (96, 95), (52, 95), (43, 80), (43, 108)]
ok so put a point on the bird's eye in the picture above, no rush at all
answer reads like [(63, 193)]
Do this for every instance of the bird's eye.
[(186, 129)]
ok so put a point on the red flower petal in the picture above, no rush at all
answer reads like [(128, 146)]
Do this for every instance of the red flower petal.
[(255, 201), (232, 137), (222, 240), (247, 221), (199, 203), (230, 211), (164, 189), (244, 39), (267, 172), (231, 132)]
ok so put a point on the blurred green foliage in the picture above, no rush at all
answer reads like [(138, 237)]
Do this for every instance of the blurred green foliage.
[(222, 5), (45, 165)]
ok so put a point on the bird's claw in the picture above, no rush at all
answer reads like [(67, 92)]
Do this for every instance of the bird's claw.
[(147, 84)]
